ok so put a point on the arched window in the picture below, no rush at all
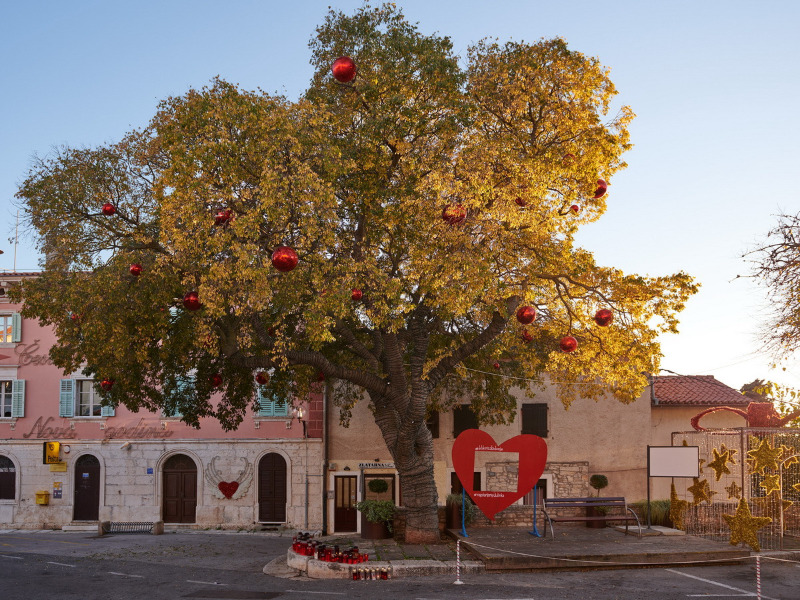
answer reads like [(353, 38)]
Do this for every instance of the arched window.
[(8, 479)]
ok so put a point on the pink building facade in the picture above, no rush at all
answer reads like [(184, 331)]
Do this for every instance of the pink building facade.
[(109, 464)]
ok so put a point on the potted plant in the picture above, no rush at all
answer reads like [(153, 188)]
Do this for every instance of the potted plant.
[(453, 511), (378, 486), (376, 518), (598, 482)]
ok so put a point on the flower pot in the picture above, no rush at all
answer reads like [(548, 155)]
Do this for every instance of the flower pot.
[(374, 531), (592, 511), (452, 515)]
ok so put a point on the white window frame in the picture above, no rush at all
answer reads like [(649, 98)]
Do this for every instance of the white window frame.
[(69, 400), (15, 393), (10, 328)]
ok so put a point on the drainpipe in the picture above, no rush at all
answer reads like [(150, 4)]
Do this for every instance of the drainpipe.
[(325, 456)]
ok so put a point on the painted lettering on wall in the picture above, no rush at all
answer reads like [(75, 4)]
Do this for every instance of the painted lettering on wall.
[(29, 354), (139, 431), (41, 430)]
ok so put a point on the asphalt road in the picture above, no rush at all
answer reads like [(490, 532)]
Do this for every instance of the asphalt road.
[(65, 566)]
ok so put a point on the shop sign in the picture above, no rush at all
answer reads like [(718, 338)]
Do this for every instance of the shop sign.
[(376, 465)]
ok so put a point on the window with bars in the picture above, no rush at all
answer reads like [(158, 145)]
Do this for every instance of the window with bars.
[(534, 419)]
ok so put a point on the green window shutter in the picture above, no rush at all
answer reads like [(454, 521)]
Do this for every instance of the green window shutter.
[(281, 408), (183, 385), (16, 327), (266, 406), (106, 411), (18, 398), (66, 398)]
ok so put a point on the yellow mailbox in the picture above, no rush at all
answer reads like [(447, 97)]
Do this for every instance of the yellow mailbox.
[(42, 497)]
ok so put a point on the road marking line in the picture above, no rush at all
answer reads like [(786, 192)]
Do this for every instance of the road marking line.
[(29, 538), (60, 564), (124, 574), (14, 557), (205, 582), (728, 587), (310, 592)]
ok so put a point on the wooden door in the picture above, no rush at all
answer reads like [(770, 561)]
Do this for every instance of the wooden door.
[(86, 506), (179, 490), (272, 489), (344, 511)]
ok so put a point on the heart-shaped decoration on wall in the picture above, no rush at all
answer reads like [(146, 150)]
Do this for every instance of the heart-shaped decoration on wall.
[(532, 452), (228, 488)]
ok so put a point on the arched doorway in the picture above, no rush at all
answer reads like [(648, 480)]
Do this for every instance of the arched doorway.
[(87, 488), (179, 489), (272, 489)]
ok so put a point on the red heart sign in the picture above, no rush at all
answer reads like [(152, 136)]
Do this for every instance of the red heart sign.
[(228, 488), (532, 458)]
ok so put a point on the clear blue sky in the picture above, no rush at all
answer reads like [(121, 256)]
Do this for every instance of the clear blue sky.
[(715, 85)]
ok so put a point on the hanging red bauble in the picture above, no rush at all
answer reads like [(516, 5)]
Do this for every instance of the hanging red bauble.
[(496, 365), (568, 344), (135, 269), (272, 331), (526, 336), (284, 259), (603, 317), (575, 208), (520, 201), (357, 294), (262, 378), (223, 216), (602, 188), (453, 214), (107, 384), (216, 380), (108, 209), (74, 316), (344, 69), (192, 301), (526, 314), (320, 376)]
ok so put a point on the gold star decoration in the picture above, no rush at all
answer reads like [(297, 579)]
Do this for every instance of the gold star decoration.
[(771, 483), (700, 491), (744, 526), (772, 505), (731, 453), (788, 456), (764, 457), (677, 508), (734, 491), (796, 486), (720, 463)]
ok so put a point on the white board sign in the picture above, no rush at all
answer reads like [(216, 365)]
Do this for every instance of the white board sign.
[(673, 461)]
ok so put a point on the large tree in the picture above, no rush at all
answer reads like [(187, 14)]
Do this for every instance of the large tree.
[(776, 262), (450, 195)]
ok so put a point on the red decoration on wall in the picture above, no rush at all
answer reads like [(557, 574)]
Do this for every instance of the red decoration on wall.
[(532, 452), (758, 414), (228, 488), (568, 344), (453, 214), (108, 209), (135, 269), (191, 301), (602, 188), (284, 259), (223, 216), (107, 384), (526, 314), (603, 317), (344, 69), (357, 294), (262, 378)]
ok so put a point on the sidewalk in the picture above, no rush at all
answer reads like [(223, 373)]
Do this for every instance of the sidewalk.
[(496, 549)]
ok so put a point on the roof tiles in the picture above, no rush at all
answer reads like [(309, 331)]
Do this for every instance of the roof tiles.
[(695, 390)]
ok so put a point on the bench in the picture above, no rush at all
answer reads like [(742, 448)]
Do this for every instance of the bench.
[(155, 528), (608, 504)]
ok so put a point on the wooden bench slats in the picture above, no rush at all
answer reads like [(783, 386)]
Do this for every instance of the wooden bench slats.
[(589, 502)]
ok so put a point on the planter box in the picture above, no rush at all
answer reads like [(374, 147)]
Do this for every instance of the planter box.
[(374, 531)]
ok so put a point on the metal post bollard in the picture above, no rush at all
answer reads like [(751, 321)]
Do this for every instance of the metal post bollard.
[(458, 564), (758, 576)]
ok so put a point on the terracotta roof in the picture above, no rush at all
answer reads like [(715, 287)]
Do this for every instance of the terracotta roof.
[(695, 390)]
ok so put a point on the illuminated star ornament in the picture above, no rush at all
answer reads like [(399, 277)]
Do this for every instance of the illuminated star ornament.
[(700, 491), (772, 505), (764, 457), (677, 508), (720, 464), (771, 483), (734, 491), (744, 526), (731, 453), (789, 456), (796, 486)]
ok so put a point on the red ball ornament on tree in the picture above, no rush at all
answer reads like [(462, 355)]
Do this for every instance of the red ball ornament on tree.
[(107, 384), (262, 378), (526, 336), (453, 214), (216, 380), (135, 269), (575, 208), (568, 344), (526, 314), (191, 301), (223, 216), (496, 365), (357, 294), (603, 317), (108, 209), (344, 69), (284, 259), (602, 188), (520, 201)]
